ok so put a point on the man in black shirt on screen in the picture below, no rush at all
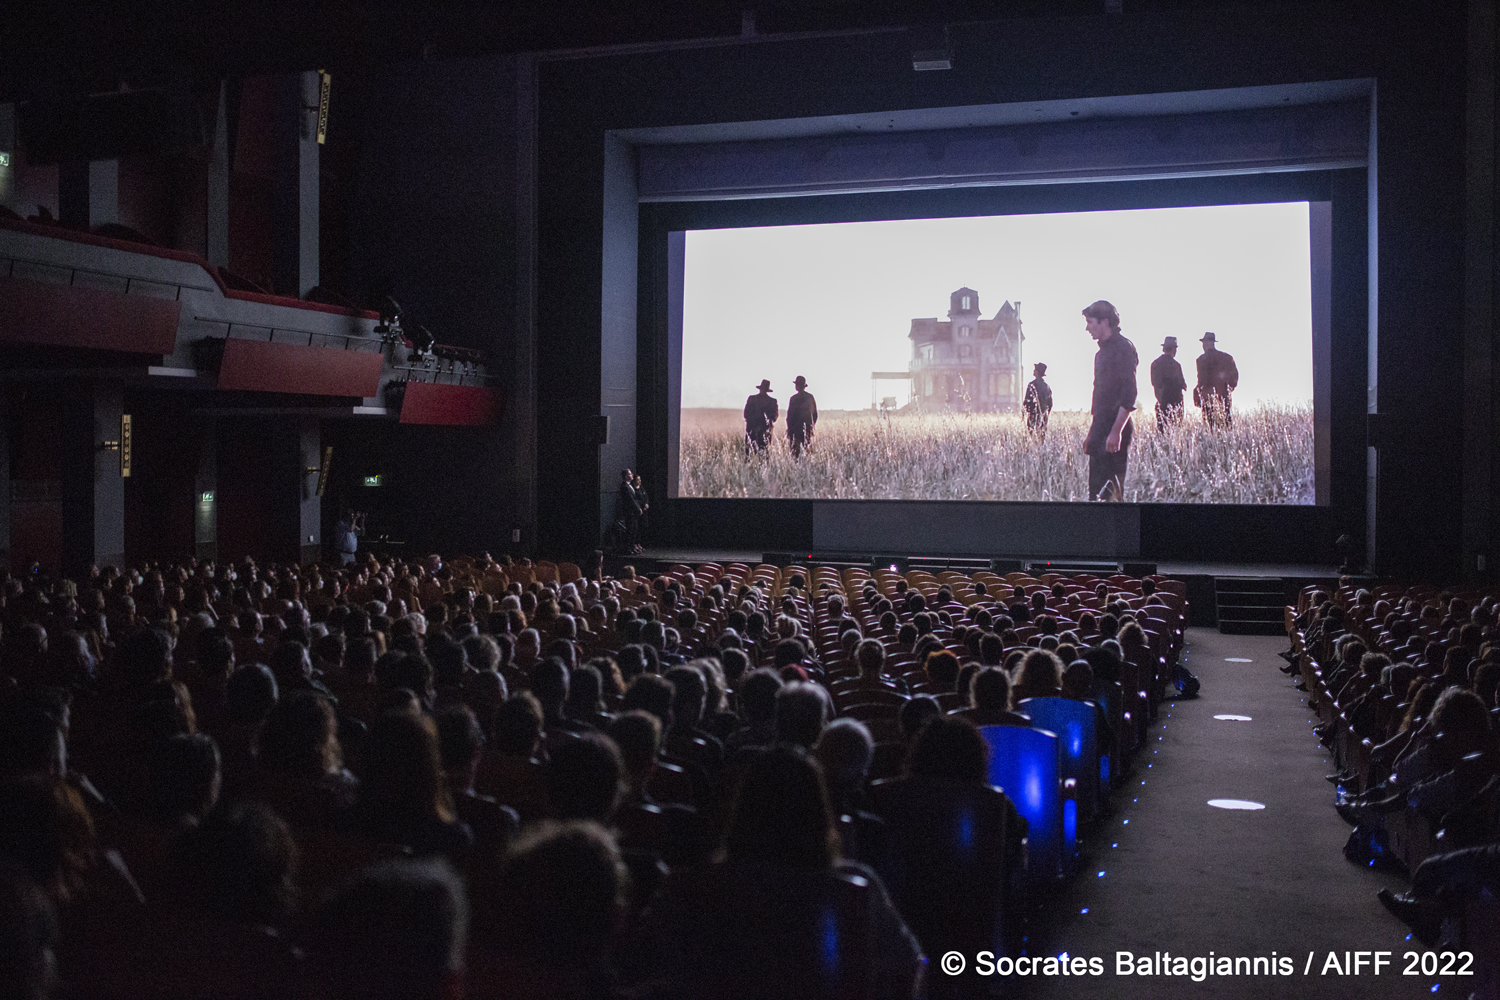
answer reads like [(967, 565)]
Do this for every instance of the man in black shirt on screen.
[(1108, 441)]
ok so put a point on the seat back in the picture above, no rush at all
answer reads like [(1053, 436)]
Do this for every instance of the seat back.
[(1075, 724), (748, 932), (1027, 765), (953, 859)]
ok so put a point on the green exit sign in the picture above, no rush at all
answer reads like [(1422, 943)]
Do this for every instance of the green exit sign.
[(4, 159), (207, 496), (372, 480)]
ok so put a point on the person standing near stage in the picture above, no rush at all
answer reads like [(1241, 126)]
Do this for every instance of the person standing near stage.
[(628, 512), (801, 417), (1038, 401), (644, 500), (1169, 385), (1217, 380), (1108, 441), (761, 410)]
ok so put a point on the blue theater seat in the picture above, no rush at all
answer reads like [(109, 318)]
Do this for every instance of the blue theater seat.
[(1027, 765), (1075, 724)]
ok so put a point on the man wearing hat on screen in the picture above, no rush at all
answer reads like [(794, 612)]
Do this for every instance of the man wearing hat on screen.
[(1167, 380), (760, 415), (1038, 401), (801, 416), (1217, 380)]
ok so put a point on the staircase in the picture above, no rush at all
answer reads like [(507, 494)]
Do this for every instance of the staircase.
[(1250, 605)]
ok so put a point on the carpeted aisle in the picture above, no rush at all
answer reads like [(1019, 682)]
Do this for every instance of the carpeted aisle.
[(1189, 879)]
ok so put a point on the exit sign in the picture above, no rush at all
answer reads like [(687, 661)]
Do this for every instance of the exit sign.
[(4, 159), (372, 480), (207, 496)]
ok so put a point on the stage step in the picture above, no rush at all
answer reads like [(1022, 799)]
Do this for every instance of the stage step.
[(1250, 605)]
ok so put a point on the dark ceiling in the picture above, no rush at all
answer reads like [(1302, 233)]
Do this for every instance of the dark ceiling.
[(65, 49)]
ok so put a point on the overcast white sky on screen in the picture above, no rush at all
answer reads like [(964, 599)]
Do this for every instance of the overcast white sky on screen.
[(835, 302)]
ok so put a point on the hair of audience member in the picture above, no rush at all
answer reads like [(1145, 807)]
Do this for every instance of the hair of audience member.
[(913, 715), (870, 655), (735, 664), (942, 670), (398, 932), (585, 778), (518, 725), (781, 815), (991, 650), (1463, 722), (1421, 704), (215, 652), (46, 830), (688, 694), (240, 864), (801, 713), (300, 737), (31, 740), (758, 693), (559, 898), (845, 751), (483, 652), (401, 773), (1486, 679), (990, 691), (950, 748), (638, 736), (789, 652), (632, 660), (250, 694), (1078, 680), (460, 743), (585, 693), (185, 776), (650, 693), (549, 682), (145, 658)]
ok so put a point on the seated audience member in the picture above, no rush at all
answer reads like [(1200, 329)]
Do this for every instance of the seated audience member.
[(991, 701), (585, 702), (757, 693), (399, 932), (845, 752), (461, 745), (1039, 676), (754, 924), (942, 673), (585, 779), (299, 763), (403, 797), (509, 770), (669, 831), (802, 711), (650, 693), (869, 656), (546, 925), (684, 739), (915, 713)]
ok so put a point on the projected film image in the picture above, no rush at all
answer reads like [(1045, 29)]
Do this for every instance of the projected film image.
[(950, 359)]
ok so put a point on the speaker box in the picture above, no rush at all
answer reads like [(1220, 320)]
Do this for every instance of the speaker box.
[(1004, 566), (1139, 569)]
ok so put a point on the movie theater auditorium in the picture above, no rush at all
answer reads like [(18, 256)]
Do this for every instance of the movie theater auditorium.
[(329, 332)]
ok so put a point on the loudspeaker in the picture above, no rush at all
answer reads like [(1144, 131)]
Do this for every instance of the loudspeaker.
[(1001, 567), (901, 563), (780, 558), (1139, 569)]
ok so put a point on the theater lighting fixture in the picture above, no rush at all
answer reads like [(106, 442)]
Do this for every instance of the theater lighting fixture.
[(421, 341)]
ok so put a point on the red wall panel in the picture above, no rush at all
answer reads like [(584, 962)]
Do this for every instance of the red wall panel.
[(35, 312), (263, 366), (454, 405)]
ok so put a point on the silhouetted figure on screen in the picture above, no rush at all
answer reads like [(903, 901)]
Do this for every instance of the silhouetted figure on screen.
[(1217, 379), (1038, 401), (1167, 381), (761, 411), (801, 417)]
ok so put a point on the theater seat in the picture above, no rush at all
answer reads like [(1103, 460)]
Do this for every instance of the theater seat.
[(745, 932), (957, 846), (1074, 723), (1027, 765)]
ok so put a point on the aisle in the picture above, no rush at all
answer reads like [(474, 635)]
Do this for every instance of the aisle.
[(1190, 879)]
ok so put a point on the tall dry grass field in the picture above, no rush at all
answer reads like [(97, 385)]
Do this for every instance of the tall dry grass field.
[(1265, 458)]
